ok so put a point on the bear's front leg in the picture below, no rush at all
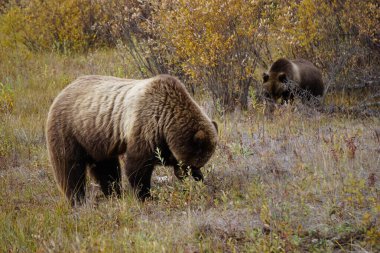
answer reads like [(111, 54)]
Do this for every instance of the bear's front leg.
[(108, 175), (139, 175)]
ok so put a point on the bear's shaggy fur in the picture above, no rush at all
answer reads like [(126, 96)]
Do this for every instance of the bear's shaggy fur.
[(96, 119), (287, 78)]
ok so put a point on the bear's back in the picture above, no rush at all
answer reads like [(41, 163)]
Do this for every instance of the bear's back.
[(310, 77), (98, 111)]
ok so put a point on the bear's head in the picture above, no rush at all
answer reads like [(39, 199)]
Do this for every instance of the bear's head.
[(275, 85), (194, 148)]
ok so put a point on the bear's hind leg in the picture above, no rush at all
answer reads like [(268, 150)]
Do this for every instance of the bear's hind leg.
[(107, 173), (70, 174), (76, 182), (69, 162)]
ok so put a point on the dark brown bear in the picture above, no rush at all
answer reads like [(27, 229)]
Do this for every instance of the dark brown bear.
[(96, 119), (287, 78)]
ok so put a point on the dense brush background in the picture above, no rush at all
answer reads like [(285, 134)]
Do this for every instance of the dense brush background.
[(288, 178)]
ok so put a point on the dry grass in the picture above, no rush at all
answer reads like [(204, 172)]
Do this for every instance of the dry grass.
[(296, 181)]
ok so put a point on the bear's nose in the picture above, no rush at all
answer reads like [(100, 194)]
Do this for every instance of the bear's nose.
[(197, 174)]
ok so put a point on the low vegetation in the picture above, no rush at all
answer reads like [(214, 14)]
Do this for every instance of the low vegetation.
[(292, 180), (284, 178)]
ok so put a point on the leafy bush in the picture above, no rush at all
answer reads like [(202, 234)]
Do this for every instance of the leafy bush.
[(215, 45), (339, 36), (60, 25), (130, 26), (12, 30)]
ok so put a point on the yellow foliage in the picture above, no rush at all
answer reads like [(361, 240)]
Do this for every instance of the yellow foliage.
[(12, 31), (45, 25), (218, 44), (58, 24), (364, 15), (308, 23), (214, 42), (205, 32)]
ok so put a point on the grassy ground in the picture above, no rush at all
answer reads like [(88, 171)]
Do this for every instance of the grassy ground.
[(293, 181)]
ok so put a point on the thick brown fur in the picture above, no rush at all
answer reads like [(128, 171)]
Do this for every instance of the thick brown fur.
[(306, 77), (96, 119)]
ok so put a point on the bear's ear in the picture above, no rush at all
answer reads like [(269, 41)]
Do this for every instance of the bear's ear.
[(199, 136), (282, 78), (215, 125), (265, 77)]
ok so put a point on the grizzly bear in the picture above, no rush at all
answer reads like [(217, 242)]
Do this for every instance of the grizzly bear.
[(96, 119), (289, 78)]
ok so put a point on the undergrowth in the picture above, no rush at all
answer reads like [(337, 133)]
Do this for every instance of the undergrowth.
[(294, 180)]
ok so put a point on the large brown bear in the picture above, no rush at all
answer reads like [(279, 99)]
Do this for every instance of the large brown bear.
[(287, 78), (97, 118)]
